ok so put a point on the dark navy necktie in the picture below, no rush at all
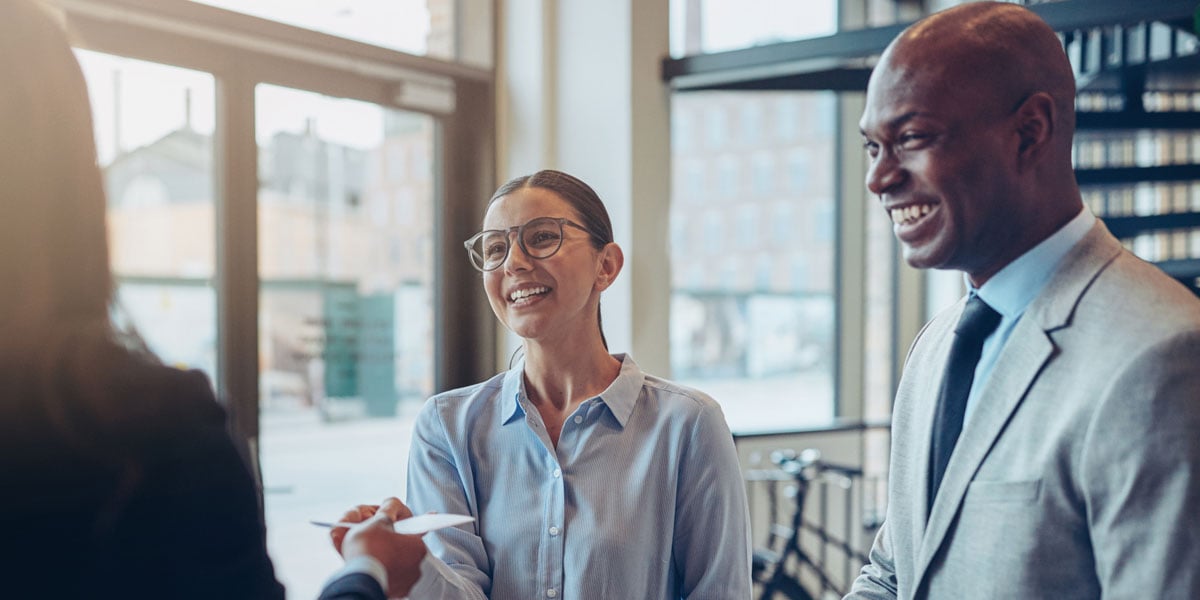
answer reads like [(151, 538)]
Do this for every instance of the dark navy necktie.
[(978, 321)]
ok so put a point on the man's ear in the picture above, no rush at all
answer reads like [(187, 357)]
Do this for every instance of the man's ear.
[(611, 261), (1036, 119)]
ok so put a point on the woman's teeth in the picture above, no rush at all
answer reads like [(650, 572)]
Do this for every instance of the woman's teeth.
[(908, 214), (527, 292)]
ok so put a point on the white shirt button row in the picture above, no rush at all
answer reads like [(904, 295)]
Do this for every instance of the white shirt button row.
[(553, 531), (578, 419), (551, 593), (557, 473)]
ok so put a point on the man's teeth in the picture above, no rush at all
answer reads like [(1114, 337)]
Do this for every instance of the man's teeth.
[(908, 214), (527, 292)]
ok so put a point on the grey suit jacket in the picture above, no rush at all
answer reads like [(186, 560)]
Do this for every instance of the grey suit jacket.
[(1078, 473)]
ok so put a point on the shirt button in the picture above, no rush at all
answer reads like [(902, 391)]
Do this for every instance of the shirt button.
[(553, 531), (557, 473), (578, 419), (552, 593)]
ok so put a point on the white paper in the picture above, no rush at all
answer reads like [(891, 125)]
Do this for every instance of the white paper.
[(430, 522), (414, 525)]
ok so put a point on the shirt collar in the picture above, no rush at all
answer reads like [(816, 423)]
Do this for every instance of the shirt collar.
[(511, 392), (1011, 289), (620, 397), (622, 394)]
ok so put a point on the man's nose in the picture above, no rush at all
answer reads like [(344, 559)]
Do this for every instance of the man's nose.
[(884, 173)]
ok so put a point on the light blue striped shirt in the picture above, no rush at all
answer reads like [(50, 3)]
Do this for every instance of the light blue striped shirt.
[(1012, 288), (642, 498)]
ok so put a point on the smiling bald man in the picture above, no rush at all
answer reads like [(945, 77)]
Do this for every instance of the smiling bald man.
[(1046, 429)]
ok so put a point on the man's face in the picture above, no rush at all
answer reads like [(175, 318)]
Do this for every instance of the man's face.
[(943, 163)]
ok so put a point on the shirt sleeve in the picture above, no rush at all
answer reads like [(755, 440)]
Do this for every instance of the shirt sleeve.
[(712, 521), (877, 580), (457, 565)]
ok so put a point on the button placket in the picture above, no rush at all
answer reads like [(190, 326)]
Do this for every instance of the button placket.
[(553, 553)]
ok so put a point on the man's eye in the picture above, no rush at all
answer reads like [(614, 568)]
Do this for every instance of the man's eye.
[(872, 148), (912, 139)]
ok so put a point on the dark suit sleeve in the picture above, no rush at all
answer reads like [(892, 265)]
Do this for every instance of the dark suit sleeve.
[(1141, 475), (353, 586), (194, 523)]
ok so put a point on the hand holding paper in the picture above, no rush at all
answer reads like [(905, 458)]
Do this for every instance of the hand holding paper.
[(375, 532)]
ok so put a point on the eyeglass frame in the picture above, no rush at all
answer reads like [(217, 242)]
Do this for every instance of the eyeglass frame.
[(520, 230)]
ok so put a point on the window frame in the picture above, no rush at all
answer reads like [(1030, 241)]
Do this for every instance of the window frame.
[(242, 51)]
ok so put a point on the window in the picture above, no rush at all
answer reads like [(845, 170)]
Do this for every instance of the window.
[(764, 174), (747, 226), (154, 127), (757, 333), (324, 305), (729, 175), (422, 27), (751, 123), (798, 171), (714, 25), (345, 335), (716, 126)]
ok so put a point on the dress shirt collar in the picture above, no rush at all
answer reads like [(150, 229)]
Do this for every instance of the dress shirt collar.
[(511, 392), (621, 395), (1011, 289)]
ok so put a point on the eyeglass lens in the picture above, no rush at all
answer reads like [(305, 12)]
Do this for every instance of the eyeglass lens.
[(540, 238)]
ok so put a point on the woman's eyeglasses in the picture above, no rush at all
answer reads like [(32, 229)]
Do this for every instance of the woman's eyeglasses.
[(539, 238)]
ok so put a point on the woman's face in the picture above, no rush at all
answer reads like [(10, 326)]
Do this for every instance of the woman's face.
[(549, 299)]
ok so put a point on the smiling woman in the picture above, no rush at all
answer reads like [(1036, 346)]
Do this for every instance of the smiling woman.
[(542, 455)]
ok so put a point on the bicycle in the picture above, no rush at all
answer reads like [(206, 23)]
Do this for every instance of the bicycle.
[(770, 566)]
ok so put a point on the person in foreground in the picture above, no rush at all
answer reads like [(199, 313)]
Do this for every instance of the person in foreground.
[(1044, 436), (120, 480), (587, 477)]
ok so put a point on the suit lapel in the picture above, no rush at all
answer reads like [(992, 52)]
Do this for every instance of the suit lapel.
[(1026, 352), (942, 335)]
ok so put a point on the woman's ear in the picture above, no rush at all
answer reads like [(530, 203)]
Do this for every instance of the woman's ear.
[(611, 261)]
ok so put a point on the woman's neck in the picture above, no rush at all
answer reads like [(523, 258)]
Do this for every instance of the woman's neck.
[(559, 379)]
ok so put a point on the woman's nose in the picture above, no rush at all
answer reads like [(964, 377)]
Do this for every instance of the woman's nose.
[(517, 259)]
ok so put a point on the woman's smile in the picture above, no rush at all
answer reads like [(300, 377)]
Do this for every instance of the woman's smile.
[(527, 295)]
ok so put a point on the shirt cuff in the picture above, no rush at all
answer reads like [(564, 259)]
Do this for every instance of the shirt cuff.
[(433, 570), (363, 564)]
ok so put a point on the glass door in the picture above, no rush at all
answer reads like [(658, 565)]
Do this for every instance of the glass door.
[(346, 334)]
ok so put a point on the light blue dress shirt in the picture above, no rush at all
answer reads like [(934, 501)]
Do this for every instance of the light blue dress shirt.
[(1011, 290), (642, 498)]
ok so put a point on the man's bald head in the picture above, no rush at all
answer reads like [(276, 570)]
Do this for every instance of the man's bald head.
[(995, 53), (968, 123)]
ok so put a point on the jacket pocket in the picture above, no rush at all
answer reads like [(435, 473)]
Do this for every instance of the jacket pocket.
[(1004, 491)]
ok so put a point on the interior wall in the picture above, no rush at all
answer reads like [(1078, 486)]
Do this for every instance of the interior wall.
[(583, 93)]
